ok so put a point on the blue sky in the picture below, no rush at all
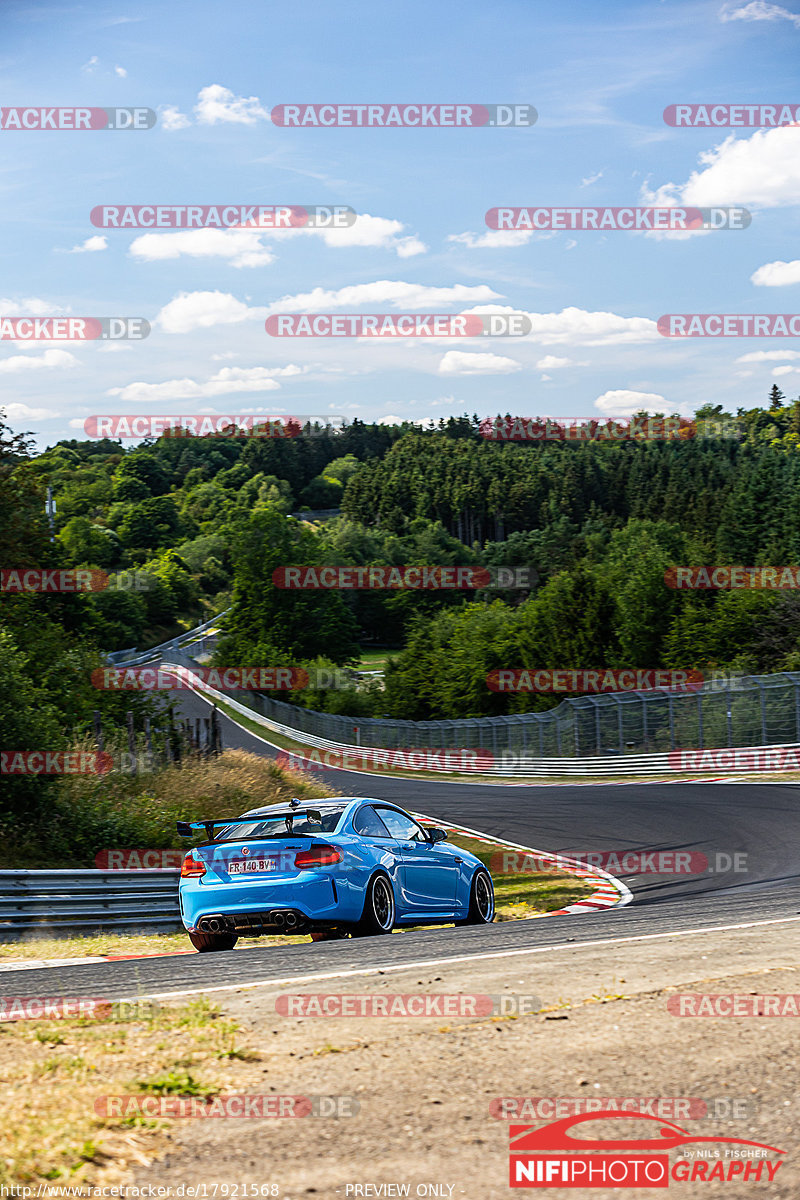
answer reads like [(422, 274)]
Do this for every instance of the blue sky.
[(599, 76)]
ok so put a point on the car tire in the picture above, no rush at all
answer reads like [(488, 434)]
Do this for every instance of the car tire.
[(205, 942), (379, 909), (481, 899)]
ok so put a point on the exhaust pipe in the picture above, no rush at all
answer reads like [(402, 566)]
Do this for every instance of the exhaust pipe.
[(291, 920), (277, 918)]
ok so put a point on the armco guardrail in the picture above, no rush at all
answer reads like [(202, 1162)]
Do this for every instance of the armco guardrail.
[(506, 763), (85, 901), (118, 657)]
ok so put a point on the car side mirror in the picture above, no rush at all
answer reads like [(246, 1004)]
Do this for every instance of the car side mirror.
[(437, 835)]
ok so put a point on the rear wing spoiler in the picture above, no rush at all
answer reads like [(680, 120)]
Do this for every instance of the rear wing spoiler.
[(189, 828)]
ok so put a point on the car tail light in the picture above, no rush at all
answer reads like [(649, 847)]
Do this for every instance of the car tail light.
[(318, 855), (192, 867)]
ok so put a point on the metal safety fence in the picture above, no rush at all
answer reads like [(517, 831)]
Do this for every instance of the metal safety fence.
[(757, 710), (511, 757), (42, 902)]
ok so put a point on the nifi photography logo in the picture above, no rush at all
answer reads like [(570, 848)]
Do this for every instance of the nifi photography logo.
[(564, 1155)]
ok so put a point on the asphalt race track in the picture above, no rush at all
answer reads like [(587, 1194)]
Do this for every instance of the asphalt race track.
[(759, 821)]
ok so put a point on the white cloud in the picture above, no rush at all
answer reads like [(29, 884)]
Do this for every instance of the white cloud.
[(217, 104), (24, 362), (778, 371), (245, 247), (172, 118), (777, 274), (551, 363), (762, 170), (393, 292), (408, 247), (457, 362), (241, 247), (123, 74), (758, 10), (89, 66), (226, 381), (201, 310), (590, 179), (625, 403), (90, 246), (545, 378), (575, 326), (22, 412), (768, 356), (30, 307), (493, 238)]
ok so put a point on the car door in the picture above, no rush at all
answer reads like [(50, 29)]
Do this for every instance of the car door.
[(371, 829), (429, 871)]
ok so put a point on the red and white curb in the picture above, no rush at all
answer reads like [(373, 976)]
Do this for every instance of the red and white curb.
[(609, 893)]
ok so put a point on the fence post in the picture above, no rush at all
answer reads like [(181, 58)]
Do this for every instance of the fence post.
[(131, 740), (671, 721), (216, 732), (98, 730), (597, 727), (645, 734), (700, 719), (762, 697), (620, 726), (730, 714)]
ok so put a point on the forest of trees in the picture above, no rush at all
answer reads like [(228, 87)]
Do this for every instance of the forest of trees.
[(187, 527)]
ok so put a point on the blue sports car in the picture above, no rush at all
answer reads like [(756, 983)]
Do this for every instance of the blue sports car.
[(325, 867)]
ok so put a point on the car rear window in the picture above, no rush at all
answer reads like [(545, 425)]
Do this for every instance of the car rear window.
[(276, 827)]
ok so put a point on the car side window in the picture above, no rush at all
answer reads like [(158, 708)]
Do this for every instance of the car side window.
[(368, 822), (401, 826)]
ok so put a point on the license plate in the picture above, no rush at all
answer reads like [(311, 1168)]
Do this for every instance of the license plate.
[(249, 866)]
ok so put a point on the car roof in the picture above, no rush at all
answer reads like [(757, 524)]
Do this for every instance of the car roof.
[(340, 802)]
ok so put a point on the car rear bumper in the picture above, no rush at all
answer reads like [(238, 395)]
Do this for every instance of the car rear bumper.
[(257, 906)]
